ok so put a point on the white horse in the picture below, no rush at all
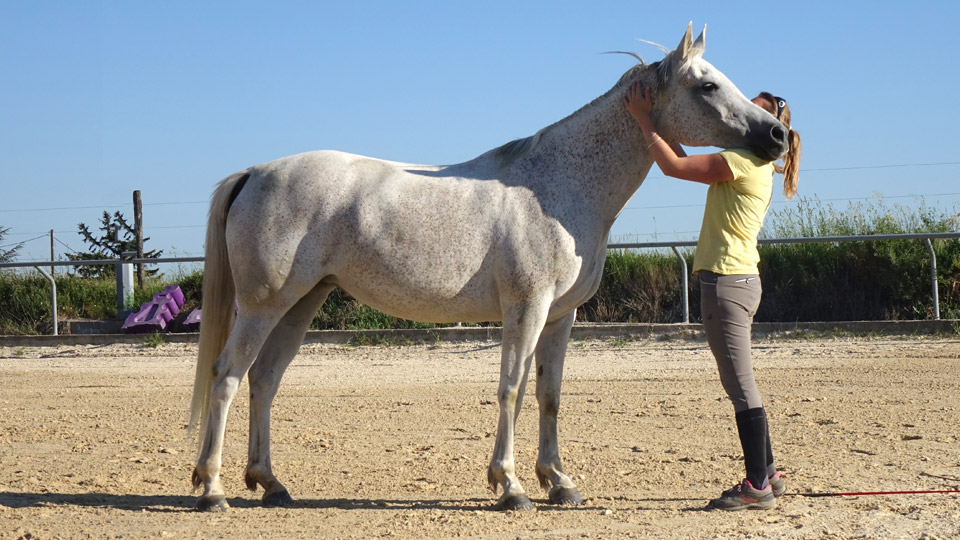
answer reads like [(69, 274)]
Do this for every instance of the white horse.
[(517, 234)]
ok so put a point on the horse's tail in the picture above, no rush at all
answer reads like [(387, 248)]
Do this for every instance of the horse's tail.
[(218, 297)]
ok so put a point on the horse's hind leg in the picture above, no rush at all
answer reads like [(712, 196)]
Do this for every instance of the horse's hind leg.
[(264, 378), (550, 355), (242, 347)]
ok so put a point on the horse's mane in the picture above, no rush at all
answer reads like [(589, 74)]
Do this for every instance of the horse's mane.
[(516, 149), (512, 151)]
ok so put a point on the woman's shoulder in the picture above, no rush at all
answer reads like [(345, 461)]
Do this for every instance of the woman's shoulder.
[(743, 162), (743, 153)]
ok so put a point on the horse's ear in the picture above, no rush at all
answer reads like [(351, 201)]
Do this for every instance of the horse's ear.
[(701, 43), (683, 49)]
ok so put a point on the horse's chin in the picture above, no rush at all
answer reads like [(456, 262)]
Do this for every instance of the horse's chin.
[(769, 153)]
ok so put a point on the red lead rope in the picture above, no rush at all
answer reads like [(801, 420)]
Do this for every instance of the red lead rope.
[(859, 493)]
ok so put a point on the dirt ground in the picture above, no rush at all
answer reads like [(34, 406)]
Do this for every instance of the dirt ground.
[(393, 442)]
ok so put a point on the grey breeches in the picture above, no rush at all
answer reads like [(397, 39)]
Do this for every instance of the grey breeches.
[(727, 306)]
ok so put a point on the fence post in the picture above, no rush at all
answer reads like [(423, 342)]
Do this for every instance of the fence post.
[(933, 281), (685, 293), (52, 254), (53, 297), (124, 287), (138, 234)]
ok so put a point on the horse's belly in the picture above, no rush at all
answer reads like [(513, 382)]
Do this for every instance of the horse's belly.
[(418, 299)]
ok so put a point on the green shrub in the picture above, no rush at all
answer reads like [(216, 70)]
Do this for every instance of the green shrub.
[(24, 304), (870, 280), (637, 286), (343, 312)]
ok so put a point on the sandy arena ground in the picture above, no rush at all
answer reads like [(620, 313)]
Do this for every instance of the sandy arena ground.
[(393, 442)]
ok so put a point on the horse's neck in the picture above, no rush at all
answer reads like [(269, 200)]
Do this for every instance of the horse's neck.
[(598, 155)]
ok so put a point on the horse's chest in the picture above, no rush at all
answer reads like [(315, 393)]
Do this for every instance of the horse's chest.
[(577, 287)]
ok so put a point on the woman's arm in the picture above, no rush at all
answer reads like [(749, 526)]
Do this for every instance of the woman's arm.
[(706, 168)]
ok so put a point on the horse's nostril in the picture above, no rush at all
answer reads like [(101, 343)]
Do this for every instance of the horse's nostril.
[(778, 133)]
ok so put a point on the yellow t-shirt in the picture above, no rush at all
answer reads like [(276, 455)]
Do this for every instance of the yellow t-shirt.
[(733, 216)]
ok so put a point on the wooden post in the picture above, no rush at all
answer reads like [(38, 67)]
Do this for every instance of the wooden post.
[(138, 231), (52, 272)]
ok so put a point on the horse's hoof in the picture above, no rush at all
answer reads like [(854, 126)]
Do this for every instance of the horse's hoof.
[(277, 498), (212, 504), (565, 496), (514, 502)]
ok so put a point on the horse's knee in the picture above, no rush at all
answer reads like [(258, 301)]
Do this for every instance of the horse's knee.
[(508, 395)]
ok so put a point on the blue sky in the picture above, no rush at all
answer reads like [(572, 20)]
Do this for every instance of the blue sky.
[(101, 98)]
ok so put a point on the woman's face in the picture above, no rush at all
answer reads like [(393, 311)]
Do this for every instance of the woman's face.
[(765, 104)]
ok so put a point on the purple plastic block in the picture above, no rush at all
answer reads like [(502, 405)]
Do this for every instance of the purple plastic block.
[(154, 315), (172, 296), (174, 293), (192, 322)]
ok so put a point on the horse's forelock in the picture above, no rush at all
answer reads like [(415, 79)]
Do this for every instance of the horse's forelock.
[(673, 64)]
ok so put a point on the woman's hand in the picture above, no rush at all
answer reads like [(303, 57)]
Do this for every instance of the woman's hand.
[(672, 160), (639, 102)]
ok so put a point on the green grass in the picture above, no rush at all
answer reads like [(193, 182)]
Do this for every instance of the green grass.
[(154, 340)]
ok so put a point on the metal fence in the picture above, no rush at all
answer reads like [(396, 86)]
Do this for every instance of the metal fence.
[(926, 237), (41, 266)]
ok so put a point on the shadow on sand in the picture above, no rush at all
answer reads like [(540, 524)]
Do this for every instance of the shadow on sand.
[(185, 503)]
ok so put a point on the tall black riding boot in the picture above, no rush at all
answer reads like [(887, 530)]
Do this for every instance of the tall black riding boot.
[(752, 427)]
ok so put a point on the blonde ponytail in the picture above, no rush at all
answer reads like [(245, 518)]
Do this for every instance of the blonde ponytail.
[(791, 165)]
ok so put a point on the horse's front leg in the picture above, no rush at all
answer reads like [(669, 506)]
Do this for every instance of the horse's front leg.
[(239, 352), (521, 329), (550, 354)]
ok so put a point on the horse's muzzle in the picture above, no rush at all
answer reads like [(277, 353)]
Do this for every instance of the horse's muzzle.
[(773, 144)]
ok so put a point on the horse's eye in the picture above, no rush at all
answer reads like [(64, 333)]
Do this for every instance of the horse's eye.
[(709, 87)]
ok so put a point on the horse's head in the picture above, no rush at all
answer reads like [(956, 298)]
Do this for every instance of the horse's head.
[(697, 105)]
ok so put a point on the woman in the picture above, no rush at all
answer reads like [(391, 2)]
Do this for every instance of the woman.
[(726, 261)]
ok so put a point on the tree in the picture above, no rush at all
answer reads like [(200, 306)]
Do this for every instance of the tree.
[(117, 237), (7, 255)]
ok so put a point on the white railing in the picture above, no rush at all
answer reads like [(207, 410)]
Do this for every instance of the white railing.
[(926, 237), (40, 266)]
